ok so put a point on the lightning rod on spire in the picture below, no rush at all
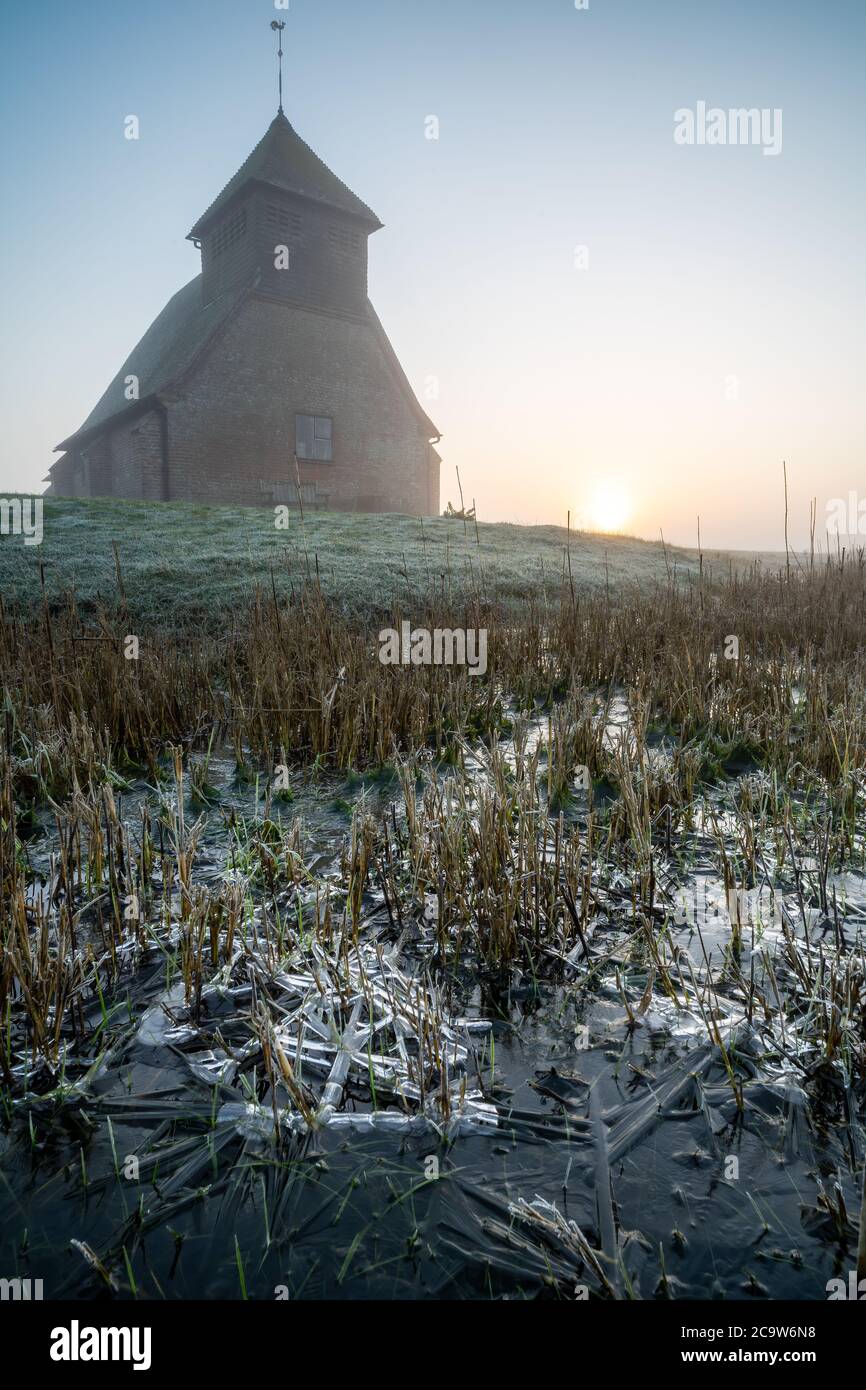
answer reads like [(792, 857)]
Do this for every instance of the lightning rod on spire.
[(278, 26)]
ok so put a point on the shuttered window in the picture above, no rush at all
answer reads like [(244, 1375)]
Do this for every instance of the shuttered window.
[(284, 221), (314, 437), (231, 232), (346, 239)]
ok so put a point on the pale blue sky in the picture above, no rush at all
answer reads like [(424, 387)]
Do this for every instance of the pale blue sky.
[(705, 264)]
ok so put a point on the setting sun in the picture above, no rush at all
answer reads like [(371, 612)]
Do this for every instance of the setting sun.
[(609, 508)]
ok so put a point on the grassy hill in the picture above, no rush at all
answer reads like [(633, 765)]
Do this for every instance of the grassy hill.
[(185, 563)]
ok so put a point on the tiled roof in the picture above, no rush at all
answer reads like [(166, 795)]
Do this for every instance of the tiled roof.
[(175, 339), (403, 382), (167, 349), (283, 160)]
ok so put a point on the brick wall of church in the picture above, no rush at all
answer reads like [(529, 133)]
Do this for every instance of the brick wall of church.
[(123, 462), (232, 429)]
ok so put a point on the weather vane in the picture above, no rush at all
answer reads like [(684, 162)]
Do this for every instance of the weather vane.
[(278, 26)]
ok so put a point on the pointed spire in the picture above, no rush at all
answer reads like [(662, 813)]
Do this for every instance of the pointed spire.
[(278, 26), (284, 161)]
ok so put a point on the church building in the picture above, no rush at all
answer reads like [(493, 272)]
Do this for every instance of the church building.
[(269, 377)]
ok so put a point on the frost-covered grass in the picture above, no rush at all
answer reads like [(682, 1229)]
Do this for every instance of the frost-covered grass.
[(184, 563)]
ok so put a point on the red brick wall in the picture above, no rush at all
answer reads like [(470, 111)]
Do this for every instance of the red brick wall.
[(124, 462), (232, 427)]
